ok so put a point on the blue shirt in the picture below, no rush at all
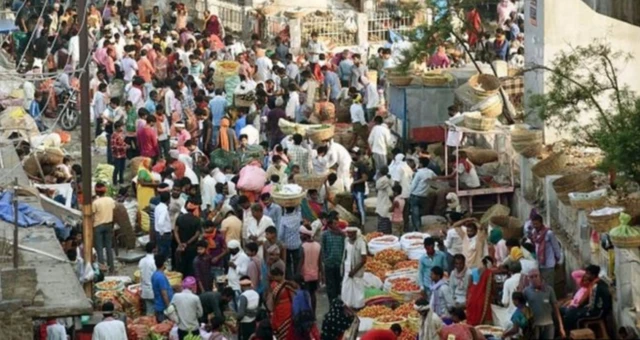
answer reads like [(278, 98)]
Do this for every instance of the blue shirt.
[(332, 81), (424, 268), (240, 123), (159, 282), (289, 232), (344, 69), (218, 199), (34, 109), (150, 105), (274, 211), (217, 106)]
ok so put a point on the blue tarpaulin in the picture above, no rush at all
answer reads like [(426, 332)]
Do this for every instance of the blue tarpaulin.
[(28, 216)]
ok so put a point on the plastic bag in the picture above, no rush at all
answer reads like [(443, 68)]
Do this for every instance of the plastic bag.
[(371, 281), (350, 25), (252, 178)]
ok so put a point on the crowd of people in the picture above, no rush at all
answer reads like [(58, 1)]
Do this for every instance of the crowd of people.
[(237, 249)]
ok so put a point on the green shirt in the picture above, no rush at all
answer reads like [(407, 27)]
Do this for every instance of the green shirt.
[(332, 248)]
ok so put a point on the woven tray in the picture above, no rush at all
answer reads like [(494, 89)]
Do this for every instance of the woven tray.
[(572, 183), (490, 85), (399, 80), (625, 242), (492, 111), (603, 224), (589, 204), (511, 226), (479, 123), (288, 201), (551, 165), (319, 135), (309, 182)]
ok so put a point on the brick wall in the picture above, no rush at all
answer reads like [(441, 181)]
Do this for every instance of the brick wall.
[(16, 324)]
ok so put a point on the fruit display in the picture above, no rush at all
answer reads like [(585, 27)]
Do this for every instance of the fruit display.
[(371, 236), (408, 334), (374, 312), (406, 309), (391, 318), (405, 286), (377, 268), (110, 285), (391, 256), (409, 264), (385, 239)]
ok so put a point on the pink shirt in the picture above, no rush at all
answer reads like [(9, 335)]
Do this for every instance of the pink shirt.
[(397, 214), (310, 266), (145, 69), (183, 136)]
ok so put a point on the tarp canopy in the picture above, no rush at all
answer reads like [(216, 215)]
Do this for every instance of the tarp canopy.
[(15, 119), (28, 216)]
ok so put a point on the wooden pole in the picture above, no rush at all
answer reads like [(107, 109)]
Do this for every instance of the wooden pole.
[(85, 130), (16, 255)]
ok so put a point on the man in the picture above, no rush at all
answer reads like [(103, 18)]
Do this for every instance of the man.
[(248, 303), (238, 263), (418, 192), (148, 139), (599, 305), (129, 65), (206, 132), (358, 119), (333, 244), (188, 308), (251, 132), (331, 84), (162, 292), (231, 226), (357, 70), (162, 225), (256, 227), (371, 97), (441, 295), (186, 234), (459, 280), (102, 208), (358, 187), (289, 235), (379, 142), (298, 154), (217, 109), (430, 323), (355, 257), (277, 168), (292, 110), (511, 286), (344, 69), (432, 258), (272, 210), (213, 303), (263, 66), (314, 49), (109, 328), (476, 248), (543, 303), (112, 114), (254, 268), (340, 156), (147, 267), (548, 252), (272, 129)]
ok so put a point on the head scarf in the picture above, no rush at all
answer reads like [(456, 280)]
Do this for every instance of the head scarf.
[(336, 322), (516, 253), (100, 188), (146, 163), (224, 136), (577, 276), (495, 236), (189, 282), (455, 202), (233, 244)]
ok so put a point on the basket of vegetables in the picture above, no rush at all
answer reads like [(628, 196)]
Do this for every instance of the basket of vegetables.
[(321, 133), (386, 321), (624, 235)]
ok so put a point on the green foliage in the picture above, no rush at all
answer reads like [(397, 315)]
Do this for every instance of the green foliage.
[(584, 80)]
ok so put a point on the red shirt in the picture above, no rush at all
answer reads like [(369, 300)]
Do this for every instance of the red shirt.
[(379, 334), (148, 142), (118, 146)]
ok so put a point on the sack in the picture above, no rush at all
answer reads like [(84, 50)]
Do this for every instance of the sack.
[(350, 25), (408, 240), (252, 178), (172, 313), (381, 243), (221, 158)]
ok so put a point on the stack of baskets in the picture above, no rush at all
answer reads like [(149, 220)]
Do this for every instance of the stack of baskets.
[(288, 201), (602, 223), (475, 121), (572, 183), (485, 85), (588, 201), (526, 142), (490, 107), (310, 182), (319, 134), (511, 227), (554, 164)]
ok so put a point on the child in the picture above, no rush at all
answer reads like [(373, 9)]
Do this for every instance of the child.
[(119, 153), (202, 267), (310, 263), (34, 111), (521, 319), (216, 248), (271, 235), (397, 223)]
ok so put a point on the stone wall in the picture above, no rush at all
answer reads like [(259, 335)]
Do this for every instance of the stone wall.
[(16, 323)]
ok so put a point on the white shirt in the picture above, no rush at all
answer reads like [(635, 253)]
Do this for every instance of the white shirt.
[(380, 139), (263, 68), (293, 105), (510, 286), (470, 179), (56, 332), (357, 114), (315, 49), (255, 228), (74, 48), (110, 329), (169, 96), (319, 163), (208, 190), (371, 96), (162, 219), (241, 261), (29, 93), (129, 68), (453, 242), (339, 154), (189, 308), (253, 135), (403, 175), (147, 266), (134, 95), (188, 173)]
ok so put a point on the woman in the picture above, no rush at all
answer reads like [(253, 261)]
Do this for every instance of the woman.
[(212, 25), (227, 139), (505, 8), (281, 306), (480, 292), (337, 321), (94, 20), (440, 58), (474, 28), (145, 189)]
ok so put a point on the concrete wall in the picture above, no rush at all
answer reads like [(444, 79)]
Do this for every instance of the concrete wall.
[(563, 23), (16, 323)]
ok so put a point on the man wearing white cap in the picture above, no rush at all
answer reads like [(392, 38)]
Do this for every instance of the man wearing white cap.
[(182, 134), (238, 264), (355, 257)]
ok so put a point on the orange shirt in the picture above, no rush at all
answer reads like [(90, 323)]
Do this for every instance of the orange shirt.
[(145, 69)]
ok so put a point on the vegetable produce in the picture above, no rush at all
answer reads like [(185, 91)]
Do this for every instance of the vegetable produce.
[(406, 264), (377, 268), (371, 236), (624, 230), (406, 309), (408, 334), (405, 286), (374, 312), (391, 256), (389, 318)]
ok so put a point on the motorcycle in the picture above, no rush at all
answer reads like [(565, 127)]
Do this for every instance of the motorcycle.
[(68, 112)]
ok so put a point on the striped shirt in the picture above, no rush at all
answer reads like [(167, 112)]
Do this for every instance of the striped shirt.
[(332, 248), (290, 227)]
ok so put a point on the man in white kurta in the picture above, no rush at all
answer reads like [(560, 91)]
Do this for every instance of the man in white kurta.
[(355, 257)]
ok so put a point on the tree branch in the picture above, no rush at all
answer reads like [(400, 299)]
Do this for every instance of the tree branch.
[(614, 80)]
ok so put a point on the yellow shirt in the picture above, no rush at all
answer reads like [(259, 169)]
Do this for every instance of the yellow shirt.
[(232, 228), (103, 210)]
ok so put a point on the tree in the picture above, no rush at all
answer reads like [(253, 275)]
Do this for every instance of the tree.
[(584, 80)]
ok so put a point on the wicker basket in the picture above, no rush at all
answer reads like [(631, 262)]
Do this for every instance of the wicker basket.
[(479, 123), (572, 183), (288, 201), (603, 224), (319, 135), (434, 79), (295, 14), (531, 151), (239, 102), (495, 210), (589, 204), (480, 156), (520, 135), (397, 80), (309, 182), (492, 111), (551, 165), (632, 207), (485, 85), (625, 242), (268, 10), (511, 227)]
